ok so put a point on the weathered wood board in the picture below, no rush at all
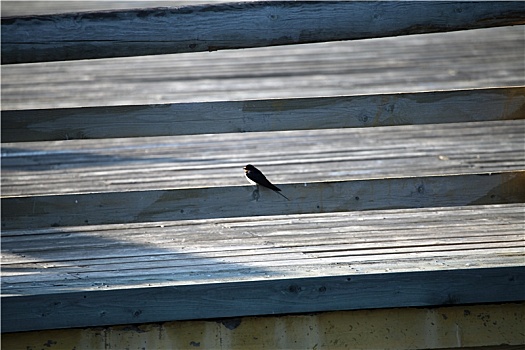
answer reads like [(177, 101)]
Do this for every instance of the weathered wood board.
[(444, 61), (150, 272), (289, 157), (150, 220), (349, 292), (12, 8), (217, 202), (142, 32), (266, 115), (184, 250)]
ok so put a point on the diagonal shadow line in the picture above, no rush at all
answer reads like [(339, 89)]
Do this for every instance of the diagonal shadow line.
[(95, 258)]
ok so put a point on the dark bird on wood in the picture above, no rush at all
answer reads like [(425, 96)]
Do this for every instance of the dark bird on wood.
[(256, 177)]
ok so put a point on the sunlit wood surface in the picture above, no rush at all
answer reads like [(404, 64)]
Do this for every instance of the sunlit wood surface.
[(402, 157)]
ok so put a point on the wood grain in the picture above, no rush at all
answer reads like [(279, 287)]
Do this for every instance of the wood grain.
[(203, 203), (142, 32), (136, 210), (264, 115), (285, 296), (444, 61), (366, 259), (309, 239), (37, 7), (298, 158)]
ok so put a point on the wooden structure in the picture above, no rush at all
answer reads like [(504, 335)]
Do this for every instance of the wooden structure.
[(190, 29), (119, 210)]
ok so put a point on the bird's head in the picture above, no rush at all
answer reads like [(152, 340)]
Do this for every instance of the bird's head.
[(248, 167)]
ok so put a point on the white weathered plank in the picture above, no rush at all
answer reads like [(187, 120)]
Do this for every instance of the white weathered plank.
[(458, 60), (266, 115), (291, 157), (142, 32)]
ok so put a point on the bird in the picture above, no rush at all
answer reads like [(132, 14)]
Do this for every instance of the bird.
[(256, 177)]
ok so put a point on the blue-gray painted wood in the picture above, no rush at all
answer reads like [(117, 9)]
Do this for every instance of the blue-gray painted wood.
[(284, 296), (266, 115), (230, 26)]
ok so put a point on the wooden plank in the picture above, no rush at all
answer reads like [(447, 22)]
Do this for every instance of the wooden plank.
[(202, 203), (39, 278), (37, 7), (46, 261), (264, 115), (237, 235), (348, 292), (217, 272), (191, 236), (469, 327), (289, 157), (395, 241), (142, 32), (127, 243), (443, 61), (76, 265)]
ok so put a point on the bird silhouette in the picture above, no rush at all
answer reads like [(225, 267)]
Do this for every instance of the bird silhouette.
[(256, 177)]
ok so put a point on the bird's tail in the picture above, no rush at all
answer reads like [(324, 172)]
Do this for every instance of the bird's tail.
[(282, 195)]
